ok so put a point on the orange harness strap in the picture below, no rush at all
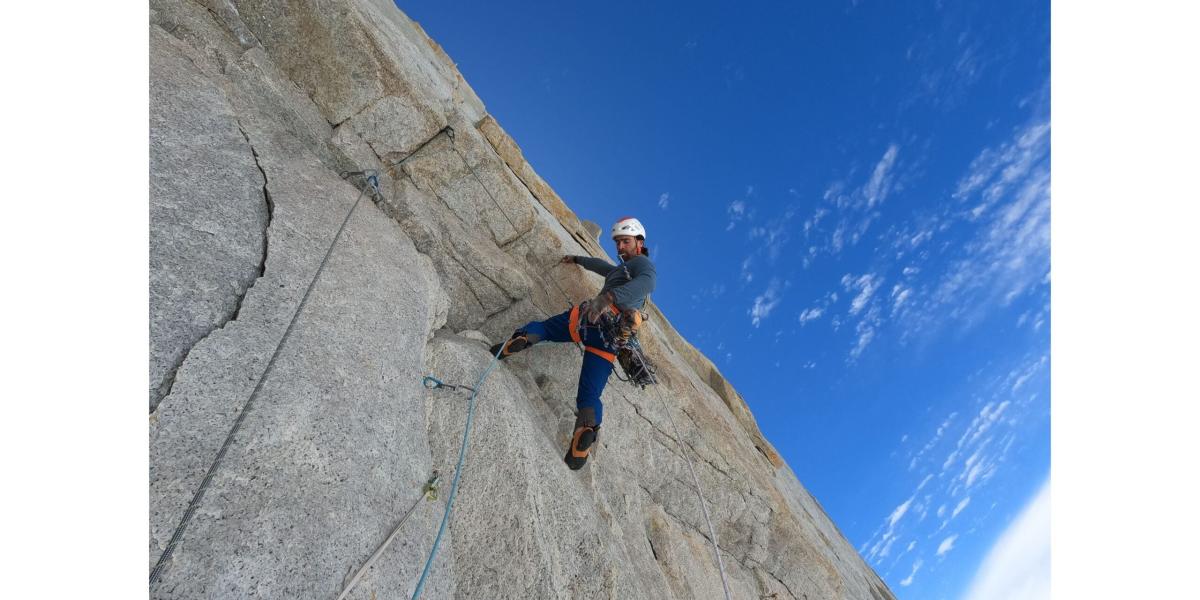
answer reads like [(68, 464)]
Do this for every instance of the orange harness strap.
[(609, 356), (573, 324)]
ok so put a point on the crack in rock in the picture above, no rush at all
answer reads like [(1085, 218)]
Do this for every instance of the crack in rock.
[(167, 385)]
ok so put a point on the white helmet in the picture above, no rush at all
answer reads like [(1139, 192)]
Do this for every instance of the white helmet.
[(628, 226)]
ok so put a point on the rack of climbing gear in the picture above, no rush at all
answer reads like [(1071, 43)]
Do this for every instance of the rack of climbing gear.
[(620, 333)]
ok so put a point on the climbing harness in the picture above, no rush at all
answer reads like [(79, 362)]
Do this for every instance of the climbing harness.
[(619, 331), (462, 453), (712, 534), (429, 492), (371, 183)]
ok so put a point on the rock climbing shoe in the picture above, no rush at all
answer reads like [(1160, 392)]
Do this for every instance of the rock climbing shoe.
[(581, 446), (518, 342)]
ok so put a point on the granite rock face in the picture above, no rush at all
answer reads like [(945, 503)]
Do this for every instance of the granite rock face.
[(293, 314)]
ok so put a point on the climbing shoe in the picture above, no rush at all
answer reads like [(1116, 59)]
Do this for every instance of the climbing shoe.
[(518, 342), (586, 432), (581, 446)]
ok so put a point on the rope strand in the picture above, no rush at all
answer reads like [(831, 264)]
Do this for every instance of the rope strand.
[(462, 453), (712, 534), (430, 486)]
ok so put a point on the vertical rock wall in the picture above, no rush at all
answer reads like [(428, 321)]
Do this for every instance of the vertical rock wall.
[(292, 317)]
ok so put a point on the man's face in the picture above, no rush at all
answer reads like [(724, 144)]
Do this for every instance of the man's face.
[(627, 246)]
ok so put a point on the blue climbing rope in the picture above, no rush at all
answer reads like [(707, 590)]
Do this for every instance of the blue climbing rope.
[(462, 453)]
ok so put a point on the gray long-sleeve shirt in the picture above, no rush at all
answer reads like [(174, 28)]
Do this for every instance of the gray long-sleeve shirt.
[(630, 282)]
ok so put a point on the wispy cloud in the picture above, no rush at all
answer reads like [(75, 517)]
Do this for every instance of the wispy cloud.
[(866, 286), (736, 211), (880, 184), (962, 504), (907, 581), (868, 322), (1018, 564), (854, 208), (946, 545), (764, 303), (811, 314), (900, 294), (663, 200), (747, 273), (865, 330), (937, 437), (1005, 195), (771, 238), (883, 545), (975, 450)]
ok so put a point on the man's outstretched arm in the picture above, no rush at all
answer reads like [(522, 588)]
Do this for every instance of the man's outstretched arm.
[(595, 265)]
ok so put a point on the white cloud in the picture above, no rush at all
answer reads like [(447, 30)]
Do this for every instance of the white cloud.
[(663, 200), (810, 314), (937, 437), (1004, 200), (882, 546), (866, 333), (814, 220), (899, 512), (946, 545), (747, 274), (765, 303), (736, 211), (961, 505), (866, 284), (1019, 378), (899, 295), (924, 482), (907, 581), (1018, 564), (877, 188), (773, 237)]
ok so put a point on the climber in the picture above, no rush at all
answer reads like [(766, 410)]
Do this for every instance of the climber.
[(623, 294)]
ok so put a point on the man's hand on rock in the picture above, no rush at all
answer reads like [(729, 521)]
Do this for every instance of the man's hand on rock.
[(569, 260)]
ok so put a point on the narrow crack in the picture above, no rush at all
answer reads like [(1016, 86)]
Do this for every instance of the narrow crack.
[(262, 266), (786, 587), (168, 382), (167, 385), (710, 463)]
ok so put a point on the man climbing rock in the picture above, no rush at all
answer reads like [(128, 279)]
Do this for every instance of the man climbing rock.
[(624, 294)]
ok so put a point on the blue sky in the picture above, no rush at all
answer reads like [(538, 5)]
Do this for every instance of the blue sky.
[(849, 207)]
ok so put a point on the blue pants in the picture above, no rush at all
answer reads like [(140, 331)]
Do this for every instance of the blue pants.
[(596, 369)]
